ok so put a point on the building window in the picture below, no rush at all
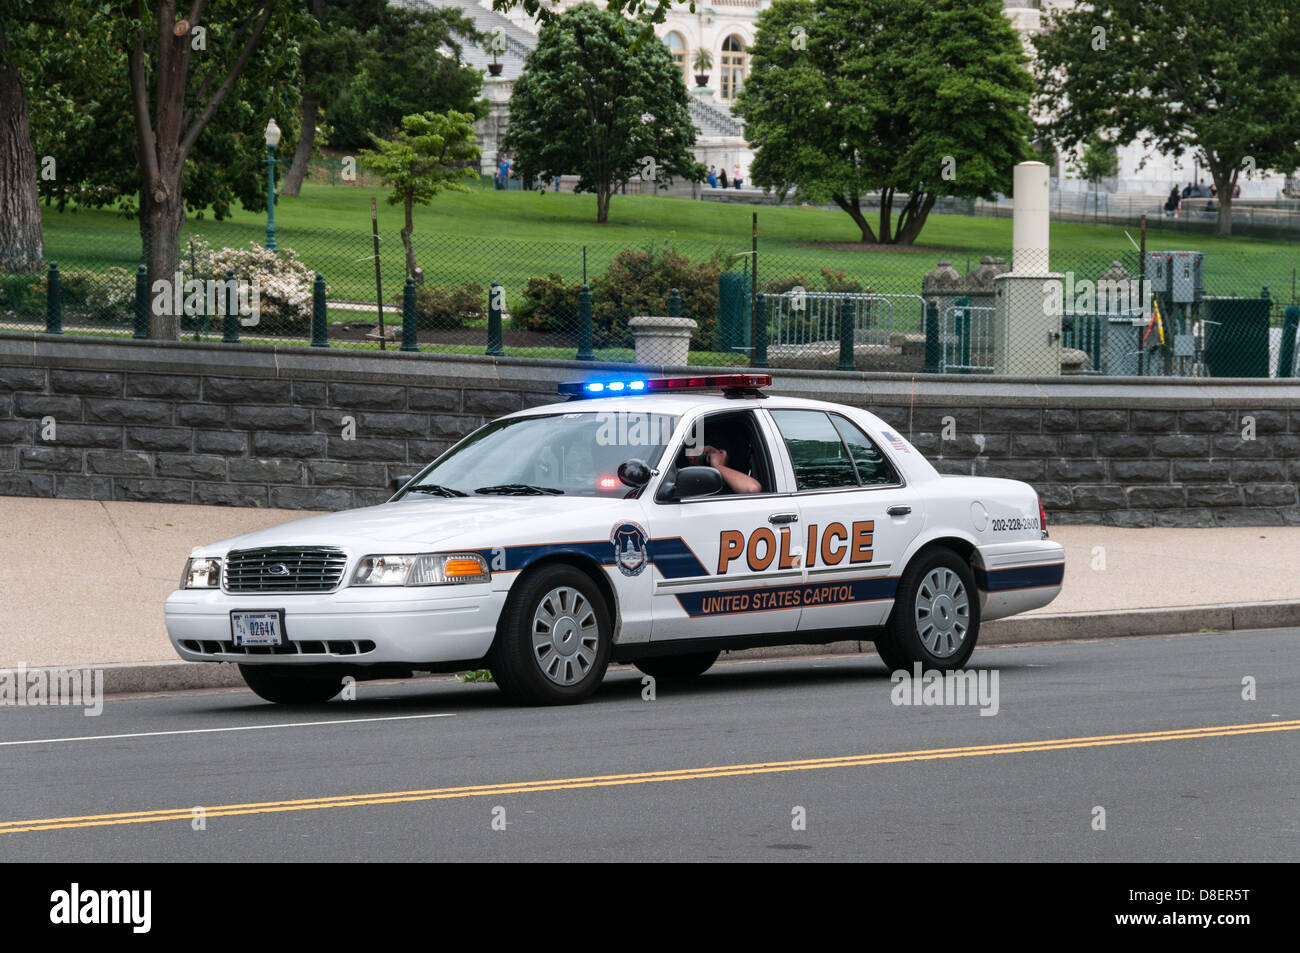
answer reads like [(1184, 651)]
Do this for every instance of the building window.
[(677, 47), (734, 61)]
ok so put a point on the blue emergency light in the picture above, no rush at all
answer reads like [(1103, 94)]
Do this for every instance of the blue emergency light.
[(725, 382)]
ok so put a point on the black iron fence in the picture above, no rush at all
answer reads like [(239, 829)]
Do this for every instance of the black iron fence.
[(1220, 314)]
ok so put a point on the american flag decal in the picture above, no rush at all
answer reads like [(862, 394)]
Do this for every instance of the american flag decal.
[(895, 441)]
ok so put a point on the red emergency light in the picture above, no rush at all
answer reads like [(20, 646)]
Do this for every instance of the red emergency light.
[(643, 385)]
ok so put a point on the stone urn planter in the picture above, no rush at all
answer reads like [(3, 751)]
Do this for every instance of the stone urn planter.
[(662, 340)]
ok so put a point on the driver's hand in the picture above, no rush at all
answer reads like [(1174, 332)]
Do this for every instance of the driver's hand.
[(715, 457)]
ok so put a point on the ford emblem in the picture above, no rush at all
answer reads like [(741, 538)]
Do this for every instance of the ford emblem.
[(279, 569)]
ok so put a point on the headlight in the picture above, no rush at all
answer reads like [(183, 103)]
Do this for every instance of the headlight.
[(201, 573), (425, 569)]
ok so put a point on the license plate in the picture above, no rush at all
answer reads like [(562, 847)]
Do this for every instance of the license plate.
[(263, 627)]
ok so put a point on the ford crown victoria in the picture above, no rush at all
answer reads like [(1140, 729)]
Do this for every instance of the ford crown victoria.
[(652, 521)]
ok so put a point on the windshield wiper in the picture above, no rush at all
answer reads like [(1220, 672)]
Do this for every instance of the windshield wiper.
[(520, 489), (436, 490)]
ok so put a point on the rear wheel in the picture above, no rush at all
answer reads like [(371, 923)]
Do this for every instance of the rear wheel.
[(282, 685), (935, 620), (678, 666), (552, 647)]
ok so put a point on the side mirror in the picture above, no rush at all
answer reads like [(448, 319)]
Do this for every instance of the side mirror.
[(400, 481), (634, 472), (697, 481)]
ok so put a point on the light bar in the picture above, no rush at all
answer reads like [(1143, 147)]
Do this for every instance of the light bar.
[(660, 384)]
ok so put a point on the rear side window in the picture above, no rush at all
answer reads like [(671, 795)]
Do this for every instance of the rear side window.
[(820, 459), (829, 451), (874, 468)]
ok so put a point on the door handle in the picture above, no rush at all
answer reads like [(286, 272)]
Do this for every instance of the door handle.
[(779, 518), (899, 510)]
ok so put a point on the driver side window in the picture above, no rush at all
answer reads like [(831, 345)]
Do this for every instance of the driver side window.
[(736, 433)]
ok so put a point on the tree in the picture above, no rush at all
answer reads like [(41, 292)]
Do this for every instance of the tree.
[(429, 155), (900, 97), (368, 63), (1220, 79), (22, 245), (1097, 160), (601, 97)]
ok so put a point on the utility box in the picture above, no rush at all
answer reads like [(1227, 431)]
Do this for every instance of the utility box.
[(1025, 335), (733, 312), (1157, 272), (1236, 337), (1186, 278)]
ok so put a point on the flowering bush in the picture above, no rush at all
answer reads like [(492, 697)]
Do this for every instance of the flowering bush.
[(283, 283)]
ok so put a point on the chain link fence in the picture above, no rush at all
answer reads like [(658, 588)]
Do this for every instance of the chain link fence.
[(817, 305)]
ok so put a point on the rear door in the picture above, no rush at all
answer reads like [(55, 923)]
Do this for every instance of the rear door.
[(857, 518), (727, 564)]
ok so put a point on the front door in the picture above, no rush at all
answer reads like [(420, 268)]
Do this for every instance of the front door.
[(726, 564)]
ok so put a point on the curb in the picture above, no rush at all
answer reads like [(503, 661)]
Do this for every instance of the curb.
[(136, 677)]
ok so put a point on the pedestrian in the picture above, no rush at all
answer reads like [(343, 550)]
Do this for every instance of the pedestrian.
[(735, 174), (1171, 203), (1187, 191), (503, 172), (1236, 191), (722, 177), (713, 177)]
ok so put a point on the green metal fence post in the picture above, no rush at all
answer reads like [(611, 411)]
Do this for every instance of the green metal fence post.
[(674, 304), (141, 302), (231, 322), (494, 348), (320, 327), (584, 325), (846, 335), (1286, 356), (53, 301), (408, 316), (933, 346), (760, 333)]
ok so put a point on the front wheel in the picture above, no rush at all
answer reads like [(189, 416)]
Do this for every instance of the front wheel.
[(936, 615), (282, 685), (552, 646)]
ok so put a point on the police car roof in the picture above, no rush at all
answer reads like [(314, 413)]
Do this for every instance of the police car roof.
[(678, 404)]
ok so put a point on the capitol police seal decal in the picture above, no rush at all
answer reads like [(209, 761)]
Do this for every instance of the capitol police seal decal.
[(631, 548)]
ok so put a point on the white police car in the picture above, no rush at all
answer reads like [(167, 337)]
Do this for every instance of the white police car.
[(642, 521)]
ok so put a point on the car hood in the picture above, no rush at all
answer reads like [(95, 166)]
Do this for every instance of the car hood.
[(416, 524)]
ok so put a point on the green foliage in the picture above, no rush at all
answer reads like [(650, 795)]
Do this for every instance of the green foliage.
[(899, 96), (373, 62), (107, 296), (428, 156), (638, 282), (21, 293), (446, 307), (1220, 79), (548, 305), (601, 97)]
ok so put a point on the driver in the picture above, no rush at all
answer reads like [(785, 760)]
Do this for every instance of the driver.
[(736, 481)]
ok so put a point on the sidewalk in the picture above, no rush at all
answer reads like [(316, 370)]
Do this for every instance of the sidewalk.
[(83, 582)]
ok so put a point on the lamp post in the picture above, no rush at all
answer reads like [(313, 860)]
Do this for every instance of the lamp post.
[(272, 141)]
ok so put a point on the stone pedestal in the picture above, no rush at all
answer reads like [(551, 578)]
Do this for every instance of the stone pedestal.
[(662, 340)]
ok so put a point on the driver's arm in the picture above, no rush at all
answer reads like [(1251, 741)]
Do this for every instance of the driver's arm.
[(739, 482)]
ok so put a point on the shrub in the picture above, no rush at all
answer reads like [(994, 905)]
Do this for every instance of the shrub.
[(639, 282), (283, 282), (439, 307), (107, 296), (549, 305), (22, 293), (839, 282)]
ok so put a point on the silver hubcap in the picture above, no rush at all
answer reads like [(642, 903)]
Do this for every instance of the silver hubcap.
[(565, 636), (942, 612)]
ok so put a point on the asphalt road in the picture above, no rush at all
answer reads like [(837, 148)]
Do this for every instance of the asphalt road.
[(722, 770)]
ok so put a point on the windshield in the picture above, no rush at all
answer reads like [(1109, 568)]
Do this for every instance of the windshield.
[(575, 454)]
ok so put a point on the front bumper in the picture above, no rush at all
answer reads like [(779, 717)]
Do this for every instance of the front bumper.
[(355, 625)]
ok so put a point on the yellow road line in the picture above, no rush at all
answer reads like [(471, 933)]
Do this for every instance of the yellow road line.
[(646, 777)]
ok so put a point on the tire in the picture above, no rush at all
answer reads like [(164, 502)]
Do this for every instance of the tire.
[(552, 645), (280, 684), (678, 666), (936, 615)]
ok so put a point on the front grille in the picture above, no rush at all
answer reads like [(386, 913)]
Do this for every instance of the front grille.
[(208, 647), (283, 569)]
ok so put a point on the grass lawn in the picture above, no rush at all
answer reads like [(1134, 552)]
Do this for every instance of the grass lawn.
[(488, 235)]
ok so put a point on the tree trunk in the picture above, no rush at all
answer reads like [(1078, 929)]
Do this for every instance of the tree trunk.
[(406, 236), (306, 143), (602, 206), (22, 245), (851, 205), (909, 229), (160, 230), (886, 213), (1223, 184)]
